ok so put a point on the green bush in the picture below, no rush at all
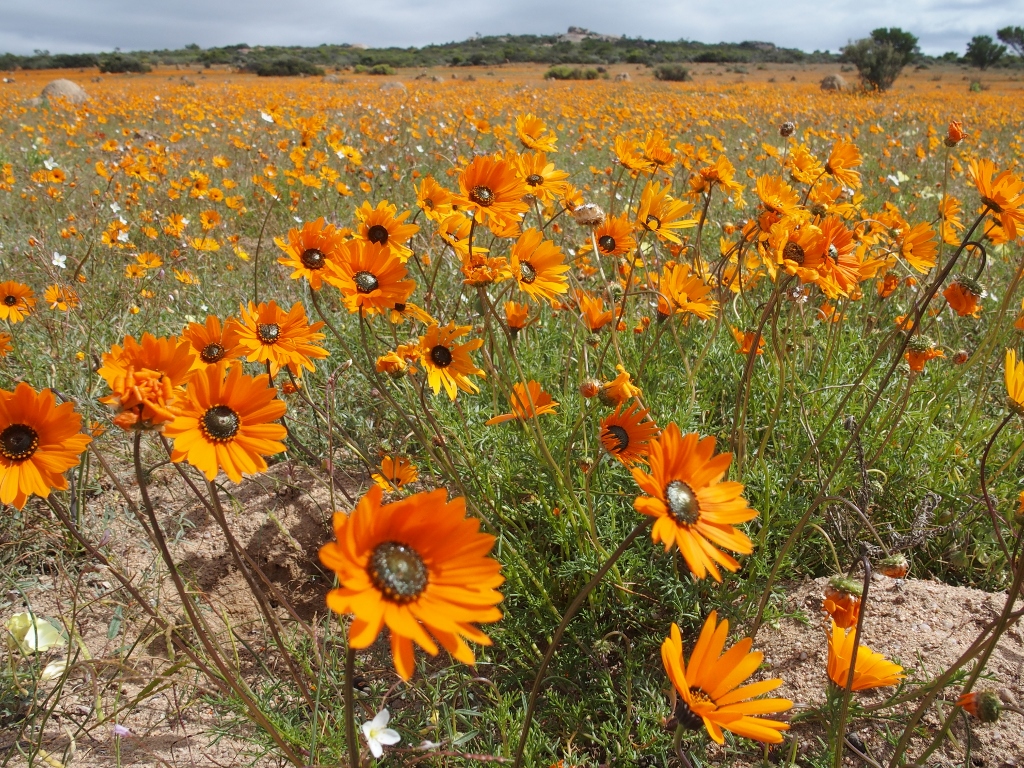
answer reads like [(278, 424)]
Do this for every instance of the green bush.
[(376, 69), (676, 73), (564, 72), (880, 58), (117, 63), (287, 66)]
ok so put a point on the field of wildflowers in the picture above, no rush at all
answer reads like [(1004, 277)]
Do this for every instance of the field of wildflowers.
[(580, 372)]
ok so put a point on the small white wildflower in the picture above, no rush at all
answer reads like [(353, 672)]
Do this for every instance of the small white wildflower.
[(59, 260), (267, 116), (378, 735)]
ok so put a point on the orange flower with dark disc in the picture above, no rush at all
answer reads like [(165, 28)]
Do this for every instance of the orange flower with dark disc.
[(421, 567), (534, 134), (371, 278), (1002, 193), (918, 246), (627, 433), (662, 214), (433, 199), (692, 506), (383, 225), (538, 265), (271, 336), (707, 686), (214, 341), (543, 180), (614, 237), (16, 301), (145, 379), (309, 250), (841, 162), (395, 473), (227, 424), (448, 363), (39, 441), (492, 192)]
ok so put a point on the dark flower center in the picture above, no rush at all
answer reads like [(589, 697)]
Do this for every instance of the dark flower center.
[(441, 355), (482, 196), (10, 300), (793, 252), (832, 252), (377, 234), (682, 502), (621, 435), (400, 307), (606, 243), (534, 180), (655, 219), (313, 258), (685, 716), (212, 353), (220, 423), (365, 282), (992, 204), (397, 571), (18, 442), (268, 333), (526, 272)]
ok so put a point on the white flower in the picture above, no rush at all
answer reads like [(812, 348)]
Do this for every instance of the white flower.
[(53, 670), (378, 735), (267, 116), (59, 260)]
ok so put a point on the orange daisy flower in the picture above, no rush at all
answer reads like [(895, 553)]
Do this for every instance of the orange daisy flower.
[(538, 265), (682, 292), (447, 363), (227, 423), (1003, 194), (492, 192), (963, 295), (433, 199), (618, 390), (528, 401), (595, 316), (873, 670), (614, 237), (395, 473), (534, 135), (918, 246), (626, 434), (745, 340), (842, 601), (144, 379), (370, 277), (268, 335), (310, 249), (214, 341), (662, 214), (16, 301), (418, 565), (843, 158), (707, 690), (516, 316), (694, 507), (61, 298), (919, 351), (542, 180), (39, 441), (380, 225)]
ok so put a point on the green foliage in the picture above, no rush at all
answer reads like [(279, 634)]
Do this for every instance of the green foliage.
[(562, 72), (673, 72), (983, 51), (1013, 37), (117, 63), (904, 43), (376, 69), (878, 60), (287, 66)]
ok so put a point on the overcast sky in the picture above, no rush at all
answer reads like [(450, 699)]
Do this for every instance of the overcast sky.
[(68, 26)]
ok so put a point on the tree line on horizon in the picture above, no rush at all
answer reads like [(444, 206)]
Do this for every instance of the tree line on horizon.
[(878, 58)]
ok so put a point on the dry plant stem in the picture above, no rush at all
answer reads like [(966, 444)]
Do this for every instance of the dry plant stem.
[(882, 385), (272, 620), (983, 477), (256, 256), (570, 612), (350, 707), (844, 707), (202, 630)]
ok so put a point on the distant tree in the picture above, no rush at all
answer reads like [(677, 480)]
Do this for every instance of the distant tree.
[(672, 72), (118, 62), (983, 51), (879, 59), (1013, 37)]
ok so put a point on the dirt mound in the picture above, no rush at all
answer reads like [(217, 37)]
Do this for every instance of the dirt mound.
[(65, 89), (923, 625)]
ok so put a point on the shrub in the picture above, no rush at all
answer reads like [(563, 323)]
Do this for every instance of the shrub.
[(376, 69), (287, 66), (563, 72), (1013, 37), (983, 51), (117, 63), (676, 73), (879, 59)]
